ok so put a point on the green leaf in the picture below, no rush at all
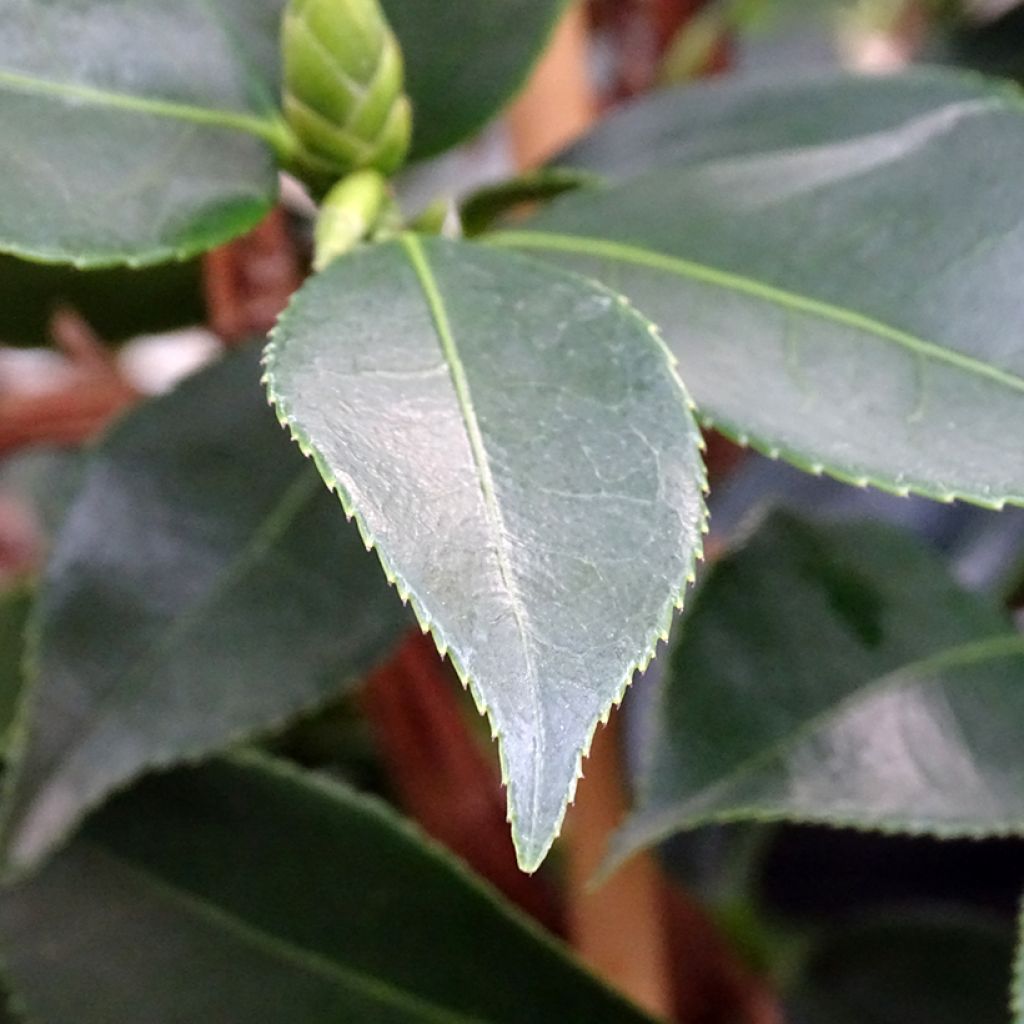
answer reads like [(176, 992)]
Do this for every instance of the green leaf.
[(514, 442), (835, 263), (244, 891), (135, 132), (924, 967), (118, 303), (15, 605), (203, 589), (836, 674), (1017, 983), (456, 89)]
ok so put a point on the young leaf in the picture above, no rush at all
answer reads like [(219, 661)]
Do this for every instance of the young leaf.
[(455, 90), (834, 263), (513, 441), (836, 674), (203, 589), (135, 132), (244, 891)]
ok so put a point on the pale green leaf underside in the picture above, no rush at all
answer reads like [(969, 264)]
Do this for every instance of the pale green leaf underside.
[(134, 132), (246, 891), (515, 444), (186, 605), (835, 264), (836, 674)]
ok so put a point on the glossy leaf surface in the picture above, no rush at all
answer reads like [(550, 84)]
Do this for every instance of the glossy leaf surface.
[(135, 131), (457, 87), (203, 588), (836, 674), (245, 891), (514, 442), (835, 263)]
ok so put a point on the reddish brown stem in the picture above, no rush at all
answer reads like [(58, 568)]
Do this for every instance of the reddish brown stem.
[(249, 281)]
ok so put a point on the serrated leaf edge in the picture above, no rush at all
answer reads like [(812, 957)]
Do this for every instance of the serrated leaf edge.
[(660, 631), (668, 822)]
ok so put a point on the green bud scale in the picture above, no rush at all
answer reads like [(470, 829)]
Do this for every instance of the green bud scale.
[(347, 215), (343, 90)]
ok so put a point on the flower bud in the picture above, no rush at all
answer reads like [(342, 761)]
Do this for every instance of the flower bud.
[(343, 90)]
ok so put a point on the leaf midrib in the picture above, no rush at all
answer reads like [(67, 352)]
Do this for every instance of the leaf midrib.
[(992, 648), (294, 954), (269, 130), (436, 304), (730, 281)]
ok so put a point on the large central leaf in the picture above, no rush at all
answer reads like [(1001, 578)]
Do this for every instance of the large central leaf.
[(514, 442), (836, 265), (135, 130)]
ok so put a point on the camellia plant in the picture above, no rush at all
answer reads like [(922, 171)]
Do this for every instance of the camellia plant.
[(508, 400)]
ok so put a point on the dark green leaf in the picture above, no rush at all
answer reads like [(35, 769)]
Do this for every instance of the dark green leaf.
[(514, 442), (490, 203), (1017, 984), (15, 605), (135, 131), (244, 891), (203, 588), (465, 59), (835, 263), (118, 304), (836, 674), (41, 482), (919, 968)]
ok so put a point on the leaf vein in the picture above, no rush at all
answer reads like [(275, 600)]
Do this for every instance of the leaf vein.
[(638, 256)]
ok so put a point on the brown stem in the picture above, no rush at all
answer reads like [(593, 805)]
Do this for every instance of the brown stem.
[(249, 281), (78, 408), (619, 928)]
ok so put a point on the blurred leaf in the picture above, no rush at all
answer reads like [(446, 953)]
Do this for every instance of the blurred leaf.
[(118, 304), (204, 588), (994, 48), (245, 891), (135, 132), (465, 59), (513, 441), (837, 674), (43, 481), (15, 605), (915, 968), (834, 262), (1017, 985)]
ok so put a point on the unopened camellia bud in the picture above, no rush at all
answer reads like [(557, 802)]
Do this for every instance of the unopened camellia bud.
[(343, 89)]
